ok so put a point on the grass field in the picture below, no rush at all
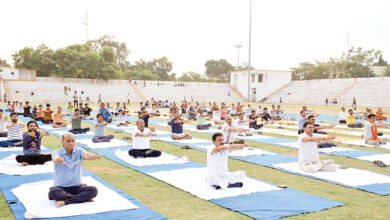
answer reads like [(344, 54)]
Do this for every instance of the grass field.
[(177, 204)]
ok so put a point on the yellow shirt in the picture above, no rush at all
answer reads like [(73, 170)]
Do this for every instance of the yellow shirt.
[(350, 119)]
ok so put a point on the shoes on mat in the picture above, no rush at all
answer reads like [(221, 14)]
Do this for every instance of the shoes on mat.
[(238, 184)]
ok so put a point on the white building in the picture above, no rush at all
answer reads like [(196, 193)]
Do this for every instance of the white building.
[(262, 83), (12, 73)]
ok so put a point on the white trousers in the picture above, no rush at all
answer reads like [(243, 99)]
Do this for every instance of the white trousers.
[(312, 167), (224, 180)]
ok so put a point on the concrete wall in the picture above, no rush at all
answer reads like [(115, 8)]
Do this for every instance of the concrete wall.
[(9, 73), (271, 81)]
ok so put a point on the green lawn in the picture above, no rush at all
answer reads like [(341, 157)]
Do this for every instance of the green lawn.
[(177, 204)]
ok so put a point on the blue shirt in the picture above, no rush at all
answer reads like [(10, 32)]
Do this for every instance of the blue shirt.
[(176, 128), (31, 146), (301, 122), (98, 131), (68, 173), (105, 113)]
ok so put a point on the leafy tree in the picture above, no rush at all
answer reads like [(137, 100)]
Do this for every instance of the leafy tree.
[(4, 62), (120, 49), (40, 59), (219, 69), (381, 62)]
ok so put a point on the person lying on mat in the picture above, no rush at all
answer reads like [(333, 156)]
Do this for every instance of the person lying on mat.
[(317, 127), (230, 130), (217, 166), (120, 118), (32, 146), (14, 133), (58, 121), (371, 131), (68, 162), (141, 138), (309, 160), (98, 131), (76, 123), (177, 128)]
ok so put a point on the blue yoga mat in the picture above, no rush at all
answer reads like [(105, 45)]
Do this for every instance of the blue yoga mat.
[(7, 183)]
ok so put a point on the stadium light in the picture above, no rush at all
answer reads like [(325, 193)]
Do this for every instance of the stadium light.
[(238, 56), (249, 57)]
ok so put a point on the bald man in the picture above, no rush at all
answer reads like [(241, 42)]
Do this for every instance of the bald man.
[(141, 138), (230, 130), (68, 162)]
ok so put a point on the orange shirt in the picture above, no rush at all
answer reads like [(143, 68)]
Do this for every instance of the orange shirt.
[(39, 113), (47, 115)]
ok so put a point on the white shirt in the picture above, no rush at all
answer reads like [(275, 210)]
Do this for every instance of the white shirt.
[(233, 111), (120, 119), (367, 131), (240, 124), (19, 109), (343, 116), (217, 164), (308, 151), (216, 116), (259, 111), (3, 124), (228, 136), (140, 143)]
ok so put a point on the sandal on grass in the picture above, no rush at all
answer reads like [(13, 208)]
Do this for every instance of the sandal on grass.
[(379, 163), (185, 147)]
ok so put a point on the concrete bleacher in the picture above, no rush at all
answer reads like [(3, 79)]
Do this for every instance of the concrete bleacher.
[(368, 92), (52, 90)]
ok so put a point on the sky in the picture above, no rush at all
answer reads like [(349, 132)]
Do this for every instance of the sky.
[(190, 32)]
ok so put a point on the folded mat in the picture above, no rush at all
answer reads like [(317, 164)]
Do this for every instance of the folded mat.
[(10, 166), (163, 159), (113, 143)]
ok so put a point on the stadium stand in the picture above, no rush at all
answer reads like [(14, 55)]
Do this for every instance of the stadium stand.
[(52, 90), (368, 92)]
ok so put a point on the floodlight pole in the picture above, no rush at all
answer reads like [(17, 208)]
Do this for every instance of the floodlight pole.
[(238, 56), (249, 57)]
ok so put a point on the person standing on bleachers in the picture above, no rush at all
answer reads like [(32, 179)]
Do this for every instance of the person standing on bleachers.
[(354, 102), (75, 100)]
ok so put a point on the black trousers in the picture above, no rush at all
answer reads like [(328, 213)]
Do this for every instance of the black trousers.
[(34, 159), (73, 194), (142, 153)]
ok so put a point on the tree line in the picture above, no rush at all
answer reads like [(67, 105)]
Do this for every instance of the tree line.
[(105, 58), (356, 62)]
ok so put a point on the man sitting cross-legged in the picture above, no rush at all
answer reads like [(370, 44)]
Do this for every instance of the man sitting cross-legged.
[(32, 147), (351, 120), (121, 119), (309, 160), (141, 138), (47, 115), (253, 121), (317, 127), (14, 134), (230, 130), (98, 131), (76, 123), (177, 128), (217, 167), (68, 162), (58, 121), (201, 121), (241, 123), (371, 131)]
